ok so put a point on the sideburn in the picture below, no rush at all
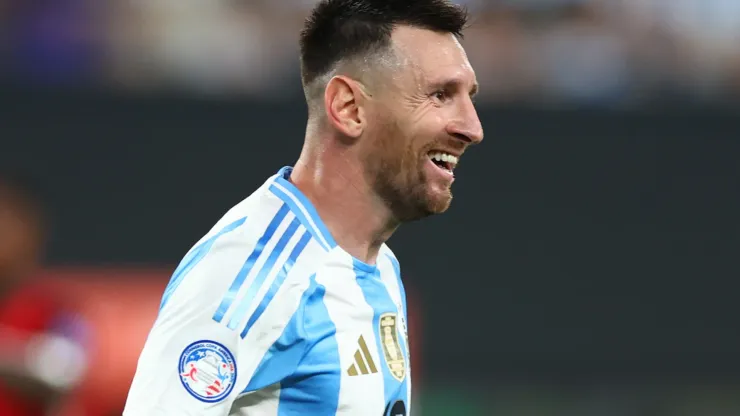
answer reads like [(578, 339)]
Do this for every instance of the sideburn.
[(393, 167)]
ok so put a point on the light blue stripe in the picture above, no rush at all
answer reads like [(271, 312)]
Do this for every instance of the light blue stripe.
[(376, 295), (305, 360), (282, 358), (299, 214), (238, 316), (192, 259), (402, 340), (321, 232), (249, 264), (397, 269), (289, 262), (313, 388)]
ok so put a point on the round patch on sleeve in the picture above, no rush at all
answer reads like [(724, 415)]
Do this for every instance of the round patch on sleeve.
[(207, 371)]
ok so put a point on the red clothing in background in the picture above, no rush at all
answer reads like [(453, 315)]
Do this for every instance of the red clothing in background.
[(27, 313)]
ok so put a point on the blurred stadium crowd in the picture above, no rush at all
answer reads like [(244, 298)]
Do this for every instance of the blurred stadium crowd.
[(581, 52)]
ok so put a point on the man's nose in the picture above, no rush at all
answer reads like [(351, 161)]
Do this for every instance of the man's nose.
[(467, 126)]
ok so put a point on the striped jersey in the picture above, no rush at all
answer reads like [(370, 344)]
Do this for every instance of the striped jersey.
[(267, 316)]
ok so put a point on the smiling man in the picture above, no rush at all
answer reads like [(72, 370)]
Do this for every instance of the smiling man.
[(293, 304)]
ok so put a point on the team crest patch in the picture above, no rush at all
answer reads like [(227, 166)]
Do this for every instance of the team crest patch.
[(207, 371), (391, 347)]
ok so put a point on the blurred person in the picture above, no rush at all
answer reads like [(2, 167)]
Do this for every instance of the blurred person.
[(686, 48), (41, 346), (293, 304), (210, 48), (583, 59), (501, 48)]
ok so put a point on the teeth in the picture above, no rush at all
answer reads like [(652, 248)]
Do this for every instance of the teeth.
[(444, 157)]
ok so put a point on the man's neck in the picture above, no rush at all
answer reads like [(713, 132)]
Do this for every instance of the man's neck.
[(333, 181)]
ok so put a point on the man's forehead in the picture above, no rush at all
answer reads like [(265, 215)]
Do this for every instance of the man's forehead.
[(434, 54), (405, 36)]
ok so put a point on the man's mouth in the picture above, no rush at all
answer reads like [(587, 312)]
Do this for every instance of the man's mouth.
[(443, 160)]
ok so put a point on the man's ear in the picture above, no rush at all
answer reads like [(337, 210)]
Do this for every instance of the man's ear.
[(344, 101)]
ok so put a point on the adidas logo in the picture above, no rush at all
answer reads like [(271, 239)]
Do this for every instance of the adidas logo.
[(363, 364)]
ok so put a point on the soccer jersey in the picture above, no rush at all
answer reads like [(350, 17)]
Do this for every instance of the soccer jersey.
[(267, 316)]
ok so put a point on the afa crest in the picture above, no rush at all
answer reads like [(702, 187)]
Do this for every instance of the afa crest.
[(394, 356)]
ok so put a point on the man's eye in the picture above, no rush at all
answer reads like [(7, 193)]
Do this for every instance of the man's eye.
[(440, 95)]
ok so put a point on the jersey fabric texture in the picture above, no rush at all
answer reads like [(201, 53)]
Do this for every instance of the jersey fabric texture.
[(267, 316)]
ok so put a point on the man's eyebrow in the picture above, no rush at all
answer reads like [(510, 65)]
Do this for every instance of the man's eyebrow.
[(454, 84)]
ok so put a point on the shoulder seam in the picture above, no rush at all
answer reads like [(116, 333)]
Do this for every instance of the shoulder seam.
[(193, 258)]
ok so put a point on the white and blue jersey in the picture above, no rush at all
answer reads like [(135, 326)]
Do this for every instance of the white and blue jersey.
[(267, 316)]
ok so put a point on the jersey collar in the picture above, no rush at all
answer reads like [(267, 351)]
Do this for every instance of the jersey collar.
[(301, 207)]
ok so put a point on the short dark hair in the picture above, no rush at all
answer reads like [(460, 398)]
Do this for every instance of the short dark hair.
[(341, 29)]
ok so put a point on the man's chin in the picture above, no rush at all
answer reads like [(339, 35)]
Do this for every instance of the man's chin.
[(440, 205), (423, 206), (437, 201)]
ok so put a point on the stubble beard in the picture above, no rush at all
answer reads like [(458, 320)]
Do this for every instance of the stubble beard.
[(398, 178)]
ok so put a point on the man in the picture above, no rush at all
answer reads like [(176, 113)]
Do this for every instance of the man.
[(293, 304), (42, 347)]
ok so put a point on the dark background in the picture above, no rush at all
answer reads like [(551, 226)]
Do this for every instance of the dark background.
[(581, 244)]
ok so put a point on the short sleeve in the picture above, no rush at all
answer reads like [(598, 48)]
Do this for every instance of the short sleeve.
[(227, 305)]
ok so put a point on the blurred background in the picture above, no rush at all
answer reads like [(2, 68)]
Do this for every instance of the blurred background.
[(588, 266)]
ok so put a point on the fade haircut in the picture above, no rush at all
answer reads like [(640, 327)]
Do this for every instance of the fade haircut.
[(340, 31)]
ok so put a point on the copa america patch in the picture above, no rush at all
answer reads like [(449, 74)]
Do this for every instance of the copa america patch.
[(207, 371)]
